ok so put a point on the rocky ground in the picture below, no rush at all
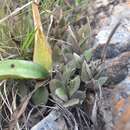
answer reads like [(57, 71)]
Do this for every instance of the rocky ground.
[(103, 90)]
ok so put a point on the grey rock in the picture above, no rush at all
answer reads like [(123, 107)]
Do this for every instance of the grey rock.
[(54, 121)]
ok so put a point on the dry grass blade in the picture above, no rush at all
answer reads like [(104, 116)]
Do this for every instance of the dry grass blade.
[(16, 11), (21, 109), (103, 56)]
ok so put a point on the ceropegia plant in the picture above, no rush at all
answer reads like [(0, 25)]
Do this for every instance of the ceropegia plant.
[(66, 87)]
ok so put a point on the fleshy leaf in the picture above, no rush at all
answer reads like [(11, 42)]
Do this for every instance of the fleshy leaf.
[(74, 85), (71, 103), (61, 93), (58, 90), (102, 80), (68, 72), (78, 60), (40, 96), (21, 69), (88, 54), (86, 74), (54, 84), (42, 51)]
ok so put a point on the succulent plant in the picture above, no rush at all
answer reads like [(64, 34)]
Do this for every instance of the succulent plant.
[(66, 89)]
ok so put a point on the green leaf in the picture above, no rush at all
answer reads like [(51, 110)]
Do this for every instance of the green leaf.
[(102, 80), (21, 69), (58, 89), (54, 84), (40, 96), (61, 93), (71, 103), (70, 65), (78, 60), (86, 74), (88, 54), (67, 74), (74, 85)]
